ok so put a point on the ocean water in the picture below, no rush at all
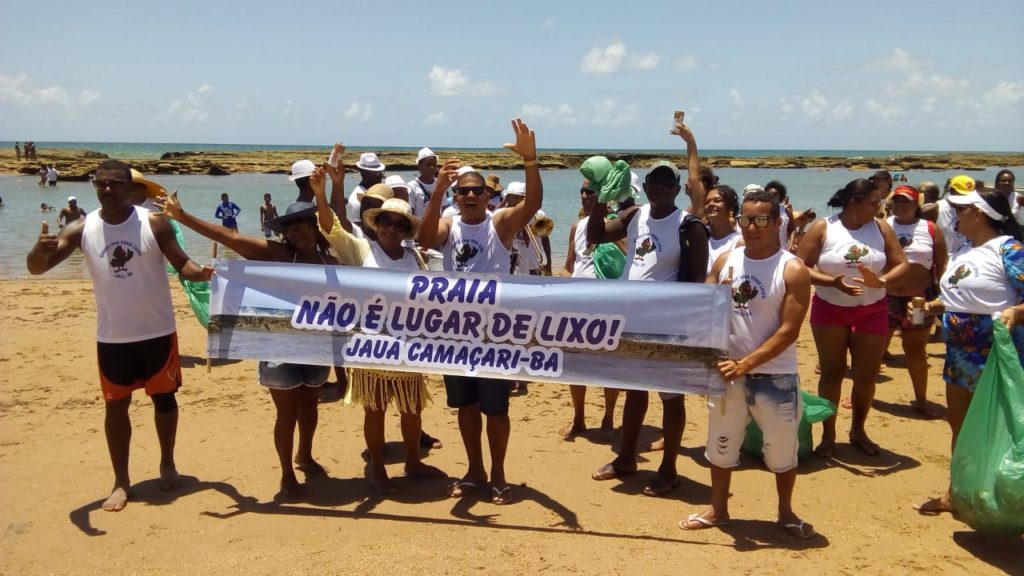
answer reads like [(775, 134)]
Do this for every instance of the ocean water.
[(146, 150), (20, 217)]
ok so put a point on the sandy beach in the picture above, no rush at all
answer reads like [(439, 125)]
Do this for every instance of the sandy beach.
[(55, 472)]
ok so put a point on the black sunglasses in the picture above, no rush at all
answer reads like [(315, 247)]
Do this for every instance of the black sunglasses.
[(396, 223), (474, 190), (112, 184)]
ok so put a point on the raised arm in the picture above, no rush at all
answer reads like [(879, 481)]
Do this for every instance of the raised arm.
[(695, 188), (433, 228), (247, 247), (600, 229), (338, 200), (511, 220), (51, 250), (188, 269)]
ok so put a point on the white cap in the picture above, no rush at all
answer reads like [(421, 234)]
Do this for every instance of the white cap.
[(369, 161), (464, 170), (515, 189), (425, 153), (634, 182), (72, 199), (751, 188), (302, 169), (976, 200), (395, 181)]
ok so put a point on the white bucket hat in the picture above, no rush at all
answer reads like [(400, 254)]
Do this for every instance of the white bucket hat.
[(302, 169), (368, 161), (425, 153)]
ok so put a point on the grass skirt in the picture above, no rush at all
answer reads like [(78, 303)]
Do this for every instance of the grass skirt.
[(376, 389)]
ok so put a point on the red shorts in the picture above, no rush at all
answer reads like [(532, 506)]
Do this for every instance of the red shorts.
[(151, 364), (868, 319)]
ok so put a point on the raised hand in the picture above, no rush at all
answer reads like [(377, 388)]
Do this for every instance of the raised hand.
[(170, 205), (47, 242), (868, 278), (336, 172), (318, 180), (848, 289), (683, 131), (447, 174), (526, 141)]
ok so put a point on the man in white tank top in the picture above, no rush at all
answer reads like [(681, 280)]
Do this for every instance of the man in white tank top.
[(771, 295), (655, 252), (124, 248), (478, 241)]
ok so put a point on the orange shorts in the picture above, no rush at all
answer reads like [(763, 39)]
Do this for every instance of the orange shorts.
[(151, 364)]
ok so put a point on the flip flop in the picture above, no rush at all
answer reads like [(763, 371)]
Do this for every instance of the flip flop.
[(428, 441), (800, 529), (501, 496), (460, 488), (659, 487), (868, 447), (610, 472), (701, 523), (932, 507)]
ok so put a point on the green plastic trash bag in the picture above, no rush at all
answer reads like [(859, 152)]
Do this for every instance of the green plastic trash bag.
[(610, 180), (609, 261), (987, 469), (816, 409), (198, 293)]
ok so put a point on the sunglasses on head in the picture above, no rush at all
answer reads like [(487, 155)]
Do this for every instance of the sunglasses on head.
[(474, 190), (759, 221), (389, 222)]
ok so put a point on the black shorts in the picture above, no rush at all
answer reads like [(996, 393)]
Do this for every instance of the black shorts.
[(151, 364), (490, 393)]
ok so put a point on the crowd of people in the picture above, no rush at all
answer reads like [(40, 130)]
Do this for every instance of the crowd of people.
[(958, 258)]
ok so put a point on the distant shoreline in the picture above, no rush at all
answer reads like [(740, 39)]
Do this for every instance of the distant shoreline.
[(77, 164)]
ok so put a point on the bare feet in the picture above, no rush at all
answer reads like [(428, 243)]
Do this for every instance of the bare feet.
[(607, 432), (864, 444), (572, 430), (826, 449), (428, 441), (169, 478), (847, 403), (292, 490), (421, 470), (117, 500), (926, 410), (935, 506), (310, 466)]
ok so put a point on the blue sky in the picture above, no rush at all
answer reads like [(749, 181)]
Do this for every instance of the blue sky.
[(797, 75)]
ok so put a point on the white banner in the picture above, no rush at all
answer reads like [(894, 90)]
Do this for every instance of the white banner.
[(635, 335)]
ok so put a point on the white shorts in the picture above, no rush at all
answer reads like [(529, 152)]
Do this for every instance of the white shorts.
[(773, 400)]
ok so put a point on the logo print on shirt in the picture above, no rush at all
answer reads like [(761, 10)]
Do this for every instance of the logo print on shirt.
[(465, 253), (959, 274), (746, 290), (854, 254), (645, 246), (906, 241)]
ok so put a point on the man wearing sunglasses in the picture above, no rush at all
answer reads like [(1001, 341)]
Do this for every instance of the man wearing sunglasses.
[(771, 292), (124, 248), (478, 241), (664, 243)]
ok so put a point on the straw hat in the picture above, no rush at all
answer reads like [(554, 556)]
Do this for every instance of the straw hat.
[(153, 190), (297, 211), (393, 206)]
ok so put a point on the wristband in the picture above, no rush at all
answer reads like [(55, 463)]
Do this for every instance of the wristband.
[(528, 163)]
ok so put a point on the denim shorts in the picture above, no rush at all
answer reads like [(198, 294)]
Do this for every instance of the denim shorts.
[(773, 401), (283, 376)]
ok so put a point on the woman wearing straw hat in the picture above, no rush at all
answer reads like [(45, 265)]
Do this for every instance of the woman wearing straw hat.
[(390, 226), (294, 388)]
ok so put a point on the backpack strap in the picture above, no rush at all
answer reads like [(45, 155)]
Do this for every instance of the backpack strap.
[(685, 253)]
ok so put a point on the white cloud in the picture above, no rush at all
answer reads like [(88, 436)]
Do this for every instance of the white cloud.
[(842, 111), (548, 23), (736, 97), (359, 112), (564, 114), (191, 109), (606, 60), (647, 61), (888, 113), (609, 112), (899, 60), (814, 105), (815, 108), (614, 57), (19, 91), (436, 119), (997, 104), (933, 85), (685, 62), (454, 83), (929, 104)]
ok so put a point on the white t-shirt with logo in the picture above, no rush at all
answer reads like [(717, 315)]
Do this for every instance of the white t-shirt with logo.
[(975, 280), (758, 289), (652, 245), (841, 251), (916, 241), (583, 264), (475, 248), (133, 297)]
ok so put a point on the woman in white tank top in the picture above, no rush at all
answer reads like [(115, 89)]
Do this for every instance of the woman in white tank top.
[(925, 248), (721, 206), (294, 388), (851, 256)]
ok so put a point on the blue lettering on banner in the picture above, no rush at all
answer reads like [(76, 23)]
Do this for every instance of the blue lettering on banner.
[(330, 313), (474, 358), (443, 321), (515, 326), (575, 330), (375, 310), (373, 349), (443, 290)]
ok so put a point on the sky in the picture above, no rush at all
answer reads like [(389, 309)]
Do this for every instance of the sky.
[(894, 75)]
